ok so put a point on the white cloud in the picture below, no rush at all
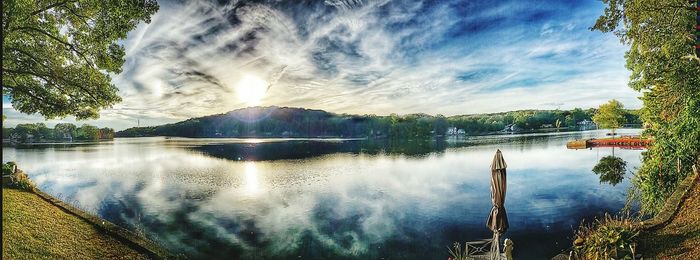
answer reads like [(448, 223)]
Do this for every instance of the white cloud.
[(376, 57)]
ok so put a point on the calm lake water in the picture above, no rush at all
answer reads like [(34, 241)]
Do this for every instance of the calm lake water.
[(330, 199)]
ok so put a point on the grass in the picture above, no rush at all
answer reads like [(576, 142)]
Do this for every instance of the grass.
[(33, 228), (679, 239)]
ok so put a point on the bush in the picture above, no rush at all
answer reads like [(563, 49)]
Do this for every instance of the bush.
[(18, 179), (23, 182), (607, 238), (7, 168)]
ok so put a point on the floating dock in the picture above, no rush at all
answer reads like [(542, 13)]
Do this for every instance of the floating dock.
[(625, 142)]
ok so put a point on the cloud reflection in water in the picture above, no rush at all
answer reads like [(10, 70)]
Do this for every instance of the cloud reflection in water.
[(334, 205)]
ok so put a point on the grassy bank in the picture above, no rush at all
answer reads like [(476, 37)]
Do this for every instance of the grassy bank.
[(673, 233), (679, 239), (33, 228)]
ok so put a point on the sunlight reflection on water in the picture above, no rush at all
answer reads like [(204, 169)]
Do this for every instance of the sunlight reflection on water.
[(332, 200), (252, 184)]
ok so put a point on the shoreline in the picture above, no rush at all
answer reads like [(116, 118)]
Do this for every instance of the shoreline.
[(670, 212), (129, 237), (331, 138), (547, 131), (45, 216)]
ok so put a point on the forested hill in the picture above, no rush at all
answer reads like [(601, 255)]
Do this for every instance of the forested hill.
[(299, 122)]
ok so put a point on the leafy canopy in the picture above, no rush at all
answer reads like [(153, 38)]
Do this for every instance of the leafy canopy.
[(58, 53), (610, 115), (665, 69)]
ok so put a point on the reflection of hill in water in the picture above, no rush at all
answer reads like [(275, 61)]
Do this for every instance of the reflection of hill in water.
[(266, 150), (301, 149)]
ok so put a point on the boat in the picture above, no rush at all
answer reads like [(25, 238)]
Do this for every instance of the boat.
[(625, 142)]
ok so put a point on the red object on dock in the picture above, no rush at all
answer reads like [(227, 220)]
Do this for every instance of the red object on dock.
[(631, 142)]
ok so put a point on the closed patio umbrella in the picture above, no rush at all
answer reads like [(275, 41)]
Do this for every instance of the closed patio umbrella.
[(498, 220)]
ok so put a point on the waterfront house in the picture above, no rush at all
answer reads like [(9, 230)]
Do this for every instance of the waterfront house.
[(511, 128), (586, 125), (451, 131)]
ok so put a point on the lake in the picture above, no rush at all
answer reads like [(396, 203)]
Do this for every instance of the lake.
[(330, 199)]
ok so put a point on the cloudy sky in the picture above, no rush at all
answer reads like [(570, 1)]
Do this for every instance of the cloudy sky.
[(366, 57)]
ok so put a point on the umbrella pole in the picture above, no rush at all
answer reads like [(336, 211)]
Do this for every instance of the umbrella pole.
[(495, 247)]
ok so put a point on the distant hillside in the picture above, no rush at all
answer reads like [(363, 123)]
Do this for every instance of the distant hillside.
[(262, 122), (299, 122)]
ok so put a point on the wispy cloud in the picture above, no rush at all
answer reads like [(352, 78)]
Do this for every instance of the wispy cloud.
[(452, 57)]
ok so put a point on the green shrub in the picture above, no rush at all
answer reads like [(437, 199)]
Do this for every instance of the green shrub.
[(606, 238), (20, 180), (7, 168), (23, 182)]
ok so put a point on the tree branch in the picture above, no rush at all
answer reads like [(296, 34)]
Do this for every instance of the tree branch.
[(43, 76), (57, 86), (69, 45), (29, 93), (28, 55), (49, 7)]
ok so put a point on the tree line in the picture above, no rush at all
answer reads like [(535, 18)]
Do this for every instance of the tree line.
[(39, 132), (299, 122)]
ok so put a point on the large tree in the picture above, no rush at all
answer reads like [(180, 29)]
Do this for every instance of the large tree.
[(58, 54), (610, 115), (667, 71)]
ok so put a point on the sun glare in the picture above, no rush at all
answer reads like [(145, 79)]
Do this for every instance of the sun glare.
[(251, 89), (252, 184)]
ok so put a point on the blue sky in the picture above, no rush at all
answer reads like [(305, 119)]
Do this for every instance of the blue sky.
[(365, 57)]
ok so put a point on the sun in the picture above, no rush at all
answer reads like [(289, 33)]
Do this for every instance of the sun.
[(251, 89)]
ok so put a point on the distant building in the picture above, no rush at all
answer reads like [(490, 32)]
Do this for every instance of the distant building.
[(546, 126), (586, 124), (510, 128), (455, 131), (451, 131)]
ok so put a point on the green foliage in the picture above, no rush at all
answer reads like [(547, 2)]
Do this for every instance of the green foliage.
[(87, 132), (65, 128), (20, 180), (7, 132), (56, 54), (27, 133), (665, 69), (23, 182), (7, 168), (611, 169), (610, 115), (607, 238), (297, 122)]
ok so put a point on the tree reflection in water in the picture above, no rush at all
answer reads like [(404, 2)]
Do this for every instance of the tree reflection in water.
[(611, 169)]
